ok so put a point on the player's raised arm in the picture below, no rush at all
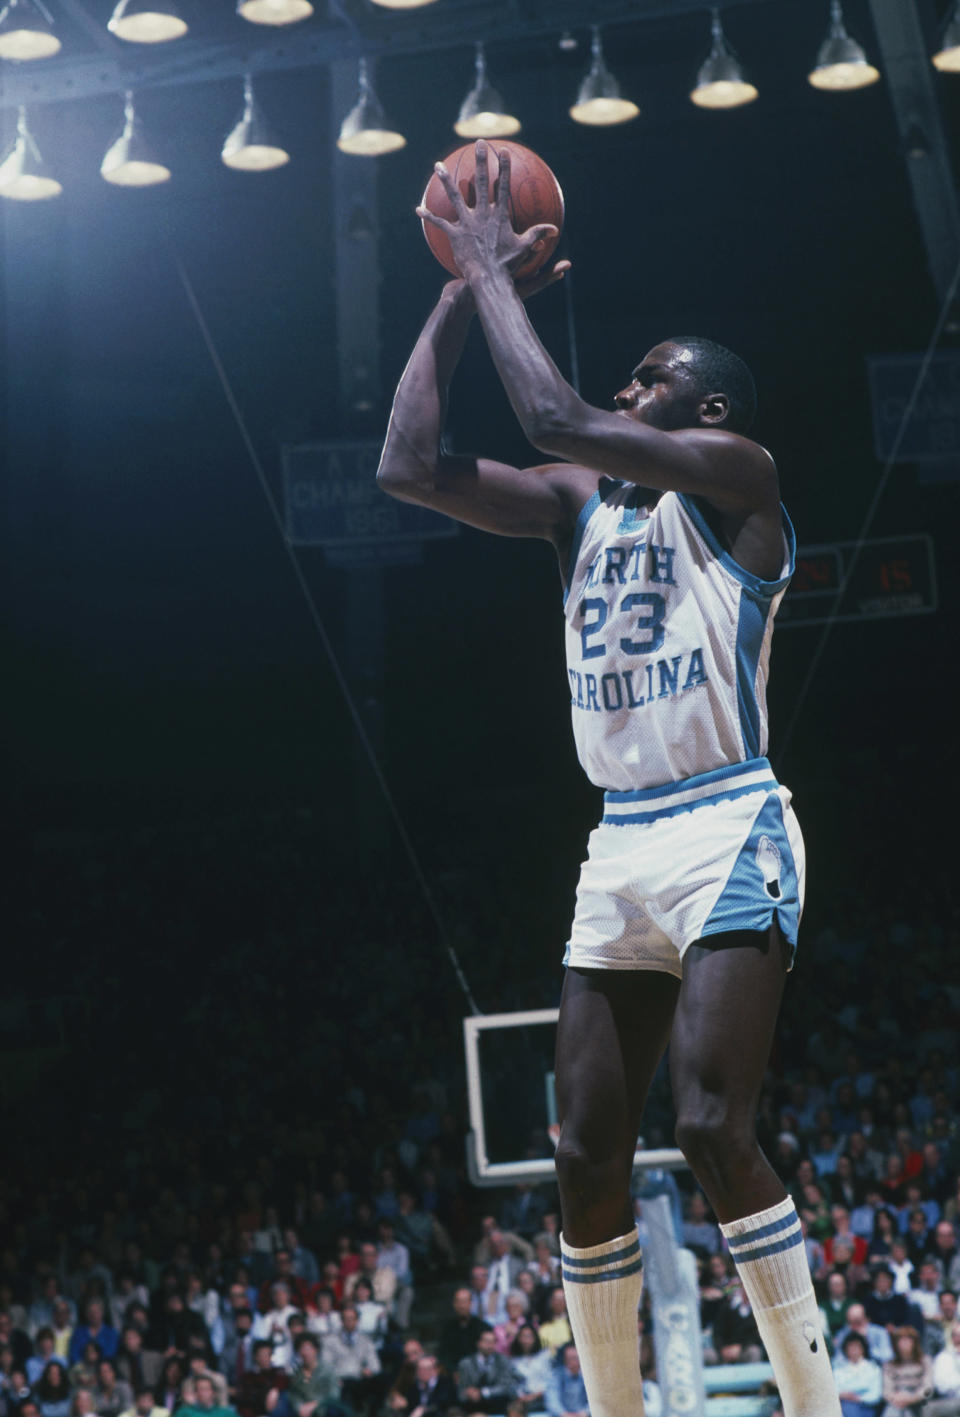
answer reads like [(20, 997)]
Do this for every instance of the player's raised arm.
[(696, 455), (484, 493)]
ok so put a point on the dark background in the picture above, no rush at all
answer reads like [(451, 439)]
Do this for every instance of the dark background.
[(161, 666)]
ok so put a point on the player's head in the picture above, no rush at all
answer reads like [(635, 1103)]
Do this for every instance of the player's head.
[(691, 382)]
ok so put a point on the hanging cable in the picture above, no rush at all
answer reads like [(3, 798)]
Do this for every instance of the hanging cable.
[(871, 512), (322, 631)]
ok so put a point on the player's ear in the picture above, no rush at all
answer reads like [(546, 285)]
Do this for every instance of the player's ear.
[(714, 409)]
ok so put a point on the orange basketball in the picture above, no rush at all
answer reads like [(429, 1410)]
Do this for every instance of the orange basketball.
[(535, 197)]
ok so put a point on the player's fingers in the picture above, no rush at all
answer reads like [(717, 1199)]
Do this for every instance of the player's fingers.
[(482, 173), (503, 182), (451, 188), (535, 234), (425, 214)]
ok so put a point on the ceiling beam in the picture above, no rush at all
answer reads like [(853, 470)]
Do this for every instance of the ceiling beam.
[(119, 66), (911, 78)]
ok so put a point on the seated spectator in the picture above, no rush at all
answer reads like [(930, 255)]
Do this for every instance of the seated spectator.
[(205, 1302), (840, 1220), (63, 1324), (400, 1396), (40, 1312), (566, 1390), (918, 1236), (946, 1379), (373, 1316), (844, 1187), (555, 1331), (486, 1381), (323, 1319), (144, 1405), (946, 1253), (907, 1378), (877, 1340), (313, 1385), (545, 1266), (425, 1238), (396, 1256), (736, 1337), (83, 1373), (826, 1153), (171, 1381), (914, 1199), (272, 1325), (176, 1326), (51, 1391), (112, 1395), (859, 1379), (434, 1392), (459, 1333), (303, 1262), (936, 1331), (205, 1402), (355, 1362), (297, 1290), (885, 1307), (502, 1273), (94, 1329), (381, 1277), (863, 1216), (835, 1305), (926, 1296), (237, 1355), (43, 1353), (700, 1233), (517, 1308), (814, 1210), (532, 1364), (885, 1232), (902, 1266), (259, 1389), (482, 1251), (126, 1292)]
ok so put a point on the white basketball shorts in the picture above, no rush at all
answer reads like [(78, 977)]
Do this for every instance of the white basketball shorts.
[(669, 866)]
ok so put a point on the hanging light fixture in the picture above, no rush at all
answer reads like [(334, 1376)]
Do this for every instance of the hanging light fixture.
[(482, 113), (402, 4), (129, 162), (599, 102), (720, 80), (842, 63), (146, 21), (274, 12), (26, 31), (249, 146), (23, 174), (947, 57), (365, 131)]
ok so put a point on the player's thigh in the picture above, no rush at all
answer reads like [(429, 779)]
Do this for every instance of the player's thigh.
[(725, 1019), (613, 1029)]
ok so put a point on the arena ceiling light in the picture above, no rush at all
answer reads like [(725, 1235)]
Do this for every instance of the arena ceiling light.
[(842, 63), (26, 31), (129, 161), (365, 131), (599, 101), (250, 146), (482, 113), (146, 21), (274, 12), (947, 57), (720, 80), (23, 174)]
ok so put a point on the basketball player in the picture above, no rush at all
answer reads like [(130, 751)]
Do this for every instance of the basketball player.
[(675, 553)]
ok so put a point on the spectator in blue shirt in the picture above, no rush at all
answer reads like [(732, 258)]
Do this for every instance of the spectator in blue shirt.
[(566, 1392), (95, 1330)]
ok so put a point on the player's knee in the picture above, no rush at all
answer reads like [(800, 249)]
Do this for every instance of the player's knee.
[(582, 1173), (714, 1139)]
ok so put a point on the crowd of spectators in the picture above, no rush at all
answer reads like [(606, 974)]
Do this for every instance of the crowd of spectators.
[(247, 1142)]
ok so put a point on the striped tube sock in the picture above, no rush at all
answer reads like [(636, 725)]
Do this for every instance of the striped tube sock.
[(772, 1263), (602, 1284)]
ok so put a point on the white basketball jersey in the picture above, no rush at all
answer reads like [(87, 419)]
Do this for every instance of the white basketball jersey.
[(668, 641)]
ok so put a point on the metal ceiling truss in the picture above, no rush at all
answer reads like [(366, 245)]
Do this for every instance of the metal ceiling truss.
[(376, 33)]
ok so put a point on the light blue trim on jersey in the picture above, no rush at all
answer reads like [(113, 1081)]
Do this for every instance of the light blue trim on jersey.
[(687, 784), (745, 903), (628, 819), (755, 584), (586, 512), (751, 628)]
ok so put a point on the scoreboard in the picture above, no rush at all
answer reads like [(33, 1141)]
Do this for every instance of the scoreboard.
[(886, 577)]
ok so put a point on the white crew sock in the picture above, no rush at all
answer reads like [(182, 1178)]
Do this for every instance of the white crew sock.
[(603, 1284), (772, 1263)]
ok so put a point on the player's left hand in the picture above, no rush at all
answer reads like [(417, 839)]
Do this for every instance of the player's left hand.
[(482, 238)]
